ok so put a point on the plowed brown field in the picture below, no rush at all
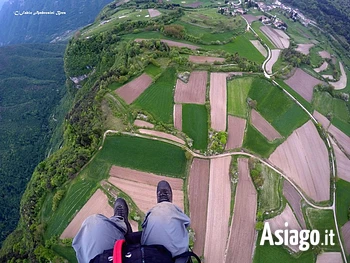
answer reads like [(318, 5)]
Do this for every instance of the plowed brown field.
[(341, 83), (263, 126), (162, 135), (322, 119), (203, 59), (343, 163), (294, 200), (242, 235), (323, 67), (274, 57), (279, 221), (218, 214), (178, 116), (218, 101), (324, 54), (278, 37), (132, 90), (250, 18), (345, 231), (236, 127), (153, 12), (341, 138), (304, 48), (303, 157), (303, 83), (198, 199), (194, 91), (145, 124), (330, 257), (97, 204)]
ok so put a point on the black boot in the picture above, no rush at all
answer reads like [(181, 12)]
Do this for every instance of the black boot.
[(121, 209), (164, 192)]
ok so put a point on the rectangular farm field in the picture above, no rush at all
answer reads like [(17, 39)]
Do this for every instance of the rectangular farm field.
[(237, 94), (343, 201), (144, 154), (158, 99), (195, 124)]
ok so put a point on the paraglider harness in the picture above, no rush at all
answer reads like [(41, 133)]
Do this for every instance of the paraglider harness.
[(130, 250)]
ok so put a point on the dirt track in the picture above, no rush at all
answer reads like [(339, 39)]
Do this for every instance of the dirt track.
[(341, 138), (327, 257), (278, 222), (132, 90), (198, 201), (203, 59), (342, 162), (294, 200), (303, 83), (236, 127), (194, 91), (145, 124), (242, 236), (97, 204), (321, 119), (218, 101), (162, 135), (218, 214), (274, 57), (178, 116), (303, 157), (263, 126)]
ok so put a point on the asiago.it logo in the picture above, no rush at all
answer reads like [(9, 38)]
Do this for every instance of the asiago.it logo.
[(36, 13)]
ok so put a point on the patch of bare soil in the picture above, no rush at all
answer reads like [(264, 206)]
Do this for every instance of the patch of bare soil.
[(236, 127), (153, 12), (323, 67), (341, 83), (341, 138), (275, 53), (279, 221), (345, 231), (132, 90), (304, 48), (144, 124), (198, 201), (218, 214), (162, 135), (97, 204), (324, 54), (194, 90), (178, 116), (342, 162), (322, 119), (204, 59), (303, 83), (259, 47), (263, 126), (218, 101), (194, 5), (327, 257), (303, 158), (242, 235), (294, 199), (250, 18)]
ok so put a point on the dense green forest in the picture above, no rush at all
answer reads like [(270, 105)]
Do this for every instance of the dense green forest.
[(30, 28), (31, 86), (333, 16)]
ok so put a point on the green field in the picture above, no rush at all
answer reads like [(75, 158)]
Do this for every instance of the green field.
[(195, 124), (255, 142), (242, 45), (343, 126), (270, 193), (277, 254), (323, 220), (343, 201), (276, 107), (237, 94), (153, 70), (158, 99)]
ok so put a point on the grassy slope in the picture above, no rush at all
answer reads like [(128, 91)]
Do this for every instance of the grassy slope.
[(195, 124), (270, 193), (237, 93), (158, 99)]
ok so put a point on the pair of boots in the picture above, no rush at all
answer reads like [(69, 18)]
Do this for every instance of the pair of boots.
[(164, 194)]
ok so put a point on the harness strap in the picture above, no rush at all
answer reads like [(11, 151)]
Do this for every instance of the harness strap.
[(117, 251)]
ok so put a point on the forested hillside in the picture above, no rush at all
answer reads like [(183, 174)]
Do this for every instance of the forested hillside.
[(31, 86), (17, 27), (334, 16)]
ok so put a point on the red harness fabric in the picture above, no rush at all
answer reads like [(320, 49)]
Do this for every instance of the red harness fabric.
[(117, 251)]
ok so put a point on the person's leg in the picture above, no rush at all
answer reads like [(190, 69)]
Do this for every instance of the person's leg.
[(99, 233), (165, 224)]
